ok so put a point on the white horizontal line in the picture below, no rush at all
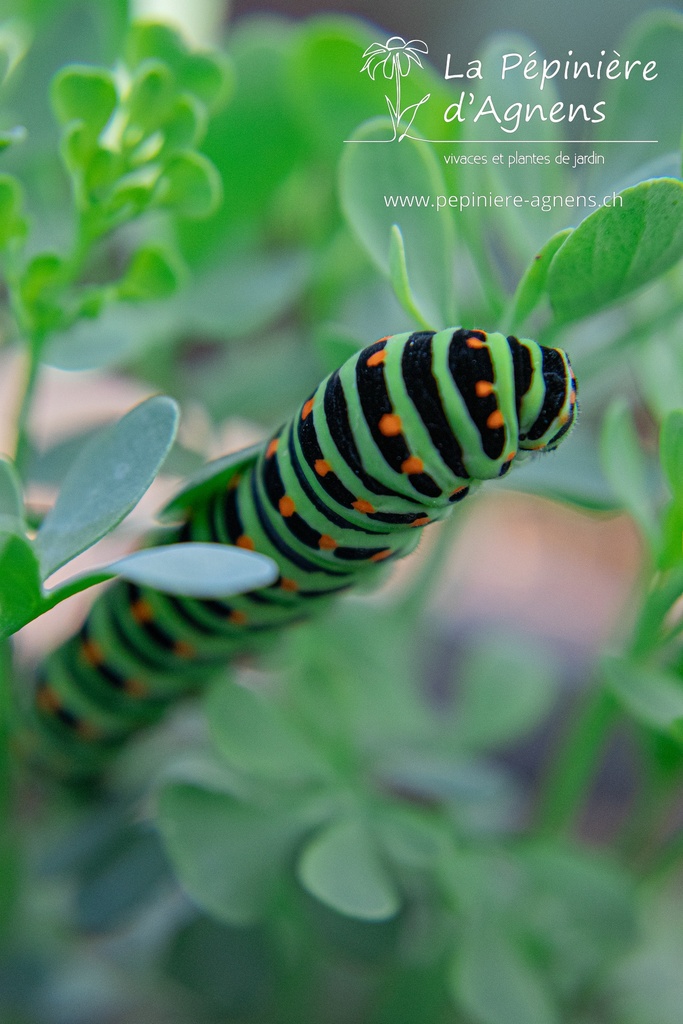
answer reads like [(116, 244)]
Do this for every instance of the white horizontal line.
[(538, 142), (521, 142)]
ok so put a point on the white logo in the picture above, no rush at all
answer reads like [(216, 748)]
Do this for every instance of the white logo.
[(395, 57)]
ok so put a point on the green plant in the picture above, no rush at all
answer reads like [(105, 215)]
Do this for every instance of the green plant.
[(339, 826)]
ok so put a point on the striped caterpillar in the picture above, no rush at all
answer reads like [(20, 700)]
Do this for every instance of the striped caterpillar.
[(383, 447)]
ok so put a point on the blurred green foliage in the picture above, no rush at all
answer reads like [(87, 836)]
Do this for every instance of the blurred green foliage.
[(346, 841)]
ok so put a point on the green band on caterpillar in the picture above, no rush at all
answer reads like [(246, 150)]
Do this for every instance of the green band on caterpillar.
[(383, 447)]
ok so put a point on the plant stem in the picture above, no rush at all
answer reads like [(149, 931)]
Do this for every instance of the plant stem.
[(573, 768), (8, 846), (22, 446)]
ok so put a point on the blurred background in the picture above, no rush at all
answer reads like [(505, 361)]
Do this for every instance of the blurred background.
[(191, 884)]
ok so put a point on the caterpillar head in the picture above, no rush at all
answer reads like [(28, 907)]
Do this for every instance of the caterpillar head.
[(546, 394)]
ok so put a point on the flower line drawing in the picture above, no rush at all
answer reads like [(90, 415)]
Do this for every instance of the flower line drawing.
[(395, 58)]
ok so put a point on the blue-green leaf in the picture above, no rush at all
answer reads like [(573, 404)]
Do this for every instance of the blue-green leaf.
[(228, 854), (340, 866), (256, 737), (198, 570), (107, 480), (624, 466), (371, 175), (11, 501), (654, 697), (505, 691), (213, 475), (494, 983)]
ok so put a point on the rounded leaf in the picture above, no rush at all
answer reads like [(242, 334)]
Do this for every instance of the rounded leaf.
[(255, 736), (198, 569), (494, 983), (228, 854), (652, 696), (342, 869), (151, 95), (618, 249), (190, 185), (150, 39), (84, 93), (106, 481), (184, 124), (154, 273), (505, 691), (208, 77)]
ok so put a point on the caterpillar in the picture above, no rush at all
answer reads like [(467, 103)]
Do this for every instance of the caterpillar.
[(386, 445)]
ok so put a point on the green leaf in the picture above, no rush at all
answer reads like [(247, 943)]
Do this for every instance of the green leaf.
[(12, 223), (671, 554), (624, 466), (197, 569), (153, 273), (253, 164), (654, 697), (533, 283), (640, 109), (671, 451), (256, 737), (513, 233), (11, 500), (493, 983), (369, 171), (571, 474), (595, 900), (341, 868), (398, 274), (102, 168), (152, 40), (210, 478), (184, 126), (42, 279), (618, 249), (208, 76), (83, 93), (334, 96), (190, 185), (228, 854), (20, 595), (506, 690), (151, 95), (107, 480)]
